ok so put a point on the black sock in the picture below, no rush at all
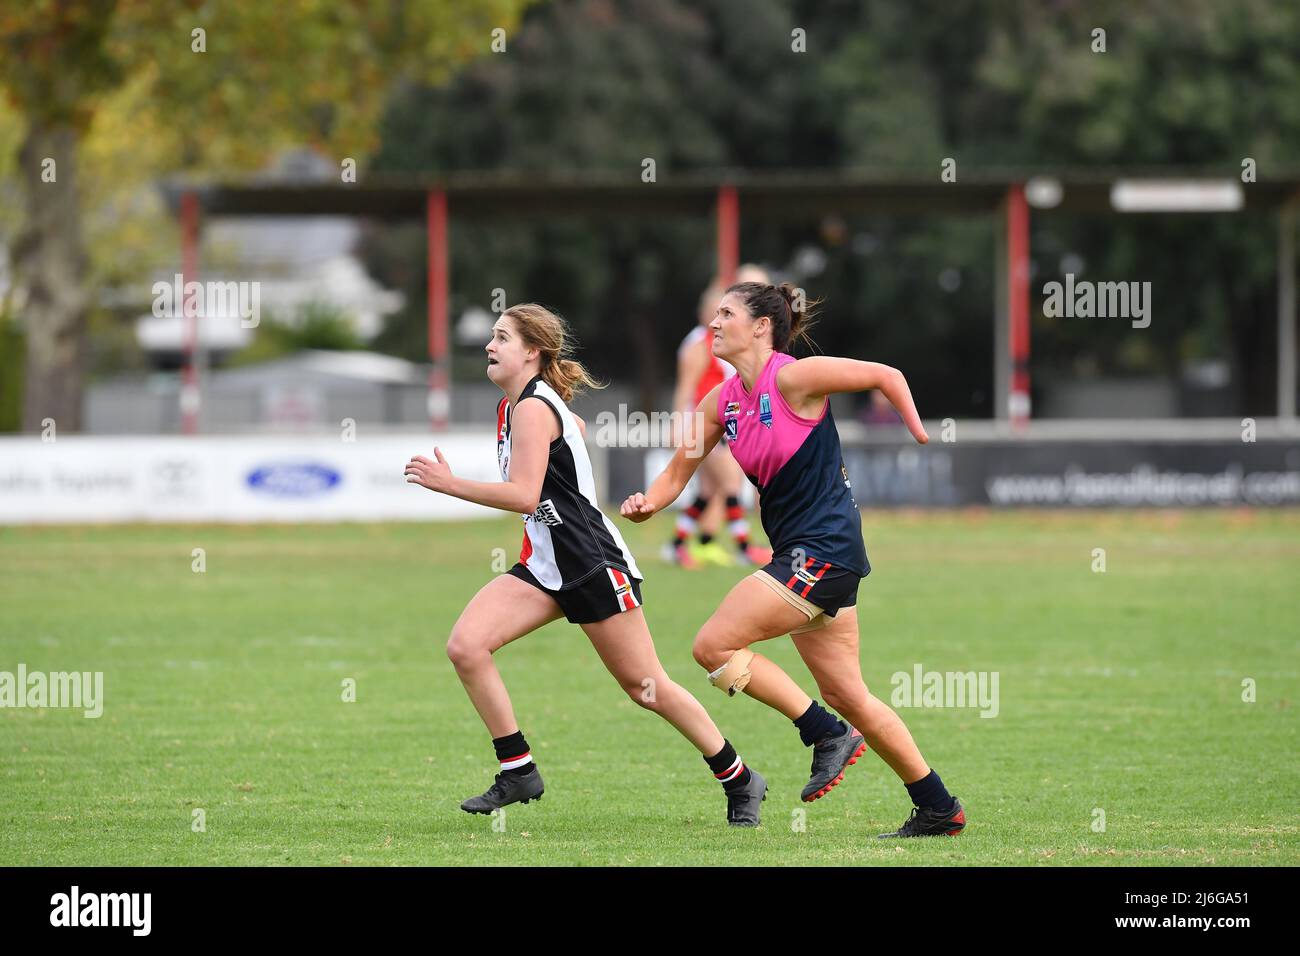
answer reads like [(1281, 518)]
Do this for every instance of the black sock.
[(705, 538), (929, 793), (513, 753), (817, 723), (728, 768)]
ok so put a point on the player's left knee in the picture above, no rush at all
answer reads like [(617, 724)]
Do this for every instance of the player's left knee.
[(708, 651)]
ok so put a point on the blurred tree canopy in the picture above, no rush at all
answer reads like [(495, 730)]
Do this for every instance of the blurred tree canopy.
[(601, 84), (103, 95)]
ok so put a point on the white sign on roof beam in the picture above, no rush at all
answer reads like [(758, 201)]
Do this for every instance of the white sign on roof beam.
[(1176, 195)]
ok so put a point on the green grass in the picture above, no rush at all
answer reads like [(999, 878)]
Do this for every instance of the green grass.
[(1120, 691)]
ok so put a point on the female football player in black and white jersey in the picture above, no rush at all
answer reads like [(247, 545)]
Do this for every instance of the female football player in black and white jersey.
[(574, 564)]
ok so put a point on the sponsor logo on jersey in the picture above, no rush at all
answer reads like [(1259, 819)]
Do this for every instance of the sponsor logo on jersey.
[(547, 514), (731, 424), (733, 408), (765, 410)]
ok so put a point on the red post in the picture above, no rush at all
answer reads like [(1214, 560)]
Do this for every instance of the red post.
[(728, 225), (190, 395), (439, 379), (1018, 303)]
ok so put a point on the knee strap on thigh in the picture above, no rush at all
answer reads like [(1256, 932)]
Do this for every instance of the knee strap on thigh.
[(733, 675)]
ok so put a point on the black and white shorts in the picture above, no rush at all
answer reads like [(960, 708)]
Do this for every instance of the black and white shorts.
[(608, 592)]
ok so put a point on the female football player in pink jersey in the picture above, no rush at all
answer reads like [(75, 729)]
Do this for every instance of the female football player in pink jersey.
[(775, 416), (574, 564)]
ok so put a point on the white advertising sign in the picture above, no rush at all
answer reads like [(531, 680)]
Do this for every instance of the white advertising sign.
[(290, 479)]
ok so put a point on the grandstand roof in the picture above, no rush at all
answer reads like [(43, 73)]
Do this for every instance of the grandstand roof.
[(765, 195)]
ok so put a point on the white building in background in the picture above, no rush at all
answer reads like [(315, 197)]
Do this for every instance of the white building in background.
[(301, 262), (297, 262)]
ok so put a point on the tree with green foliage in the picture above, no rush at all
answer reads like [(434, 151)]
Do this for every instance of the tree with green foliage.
[(197, 87)]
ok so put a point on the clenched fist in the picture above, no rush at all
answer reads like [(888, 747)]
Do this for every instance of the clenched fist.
[(636, 507)]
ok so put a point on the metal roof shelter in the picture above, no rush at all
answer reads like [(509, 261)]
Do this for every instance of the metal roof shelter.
[(771, 196)]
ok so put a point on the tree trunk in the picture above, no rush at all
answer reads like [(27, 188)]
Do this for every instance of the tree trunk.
[(50, 266)]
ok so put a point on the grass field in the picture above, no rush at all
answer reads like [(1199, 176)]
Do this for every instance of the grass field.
[(1120, 691)]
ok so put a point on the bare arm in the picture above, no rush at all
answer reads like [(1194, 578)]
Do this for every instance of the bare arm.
[(675, 476), (532, 430), (809, 380)]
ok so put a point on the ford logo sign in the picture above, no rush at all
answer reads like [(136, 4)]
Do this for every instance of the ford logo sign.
[(293, 480)]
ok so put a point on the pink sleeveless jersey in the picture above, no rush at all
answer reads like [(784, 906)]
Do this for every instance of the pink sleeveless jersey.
[(805, 500), (776, 432)]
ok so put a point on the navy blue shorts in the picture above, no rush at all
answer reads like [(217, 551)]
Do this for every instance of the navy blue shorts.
[(814, 586)]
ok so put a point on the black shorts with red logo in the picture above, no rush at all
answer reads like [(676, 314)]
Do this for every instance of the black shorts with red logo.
[(603, 594), (814, 580)]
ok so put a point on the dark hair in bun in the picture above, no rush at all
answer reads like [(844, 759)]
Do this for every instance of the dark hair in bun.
[(785, 305)]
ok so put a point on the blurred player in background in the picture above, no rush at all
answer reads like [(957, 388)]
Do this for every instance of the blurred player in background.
[(720, 478)]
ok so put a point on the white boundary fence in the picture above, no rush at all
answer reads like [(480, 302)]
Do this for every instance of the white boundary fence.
[(321, 477)]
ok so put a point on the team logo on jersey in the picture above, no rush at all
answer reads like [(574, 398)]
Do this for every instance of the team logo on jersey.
[(731, 424), (547, 514), (765, 410), (733, 409)]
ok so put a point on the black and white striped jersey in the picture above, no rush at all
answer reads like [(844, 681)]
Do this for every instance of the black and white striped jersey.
[(568, 538)]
